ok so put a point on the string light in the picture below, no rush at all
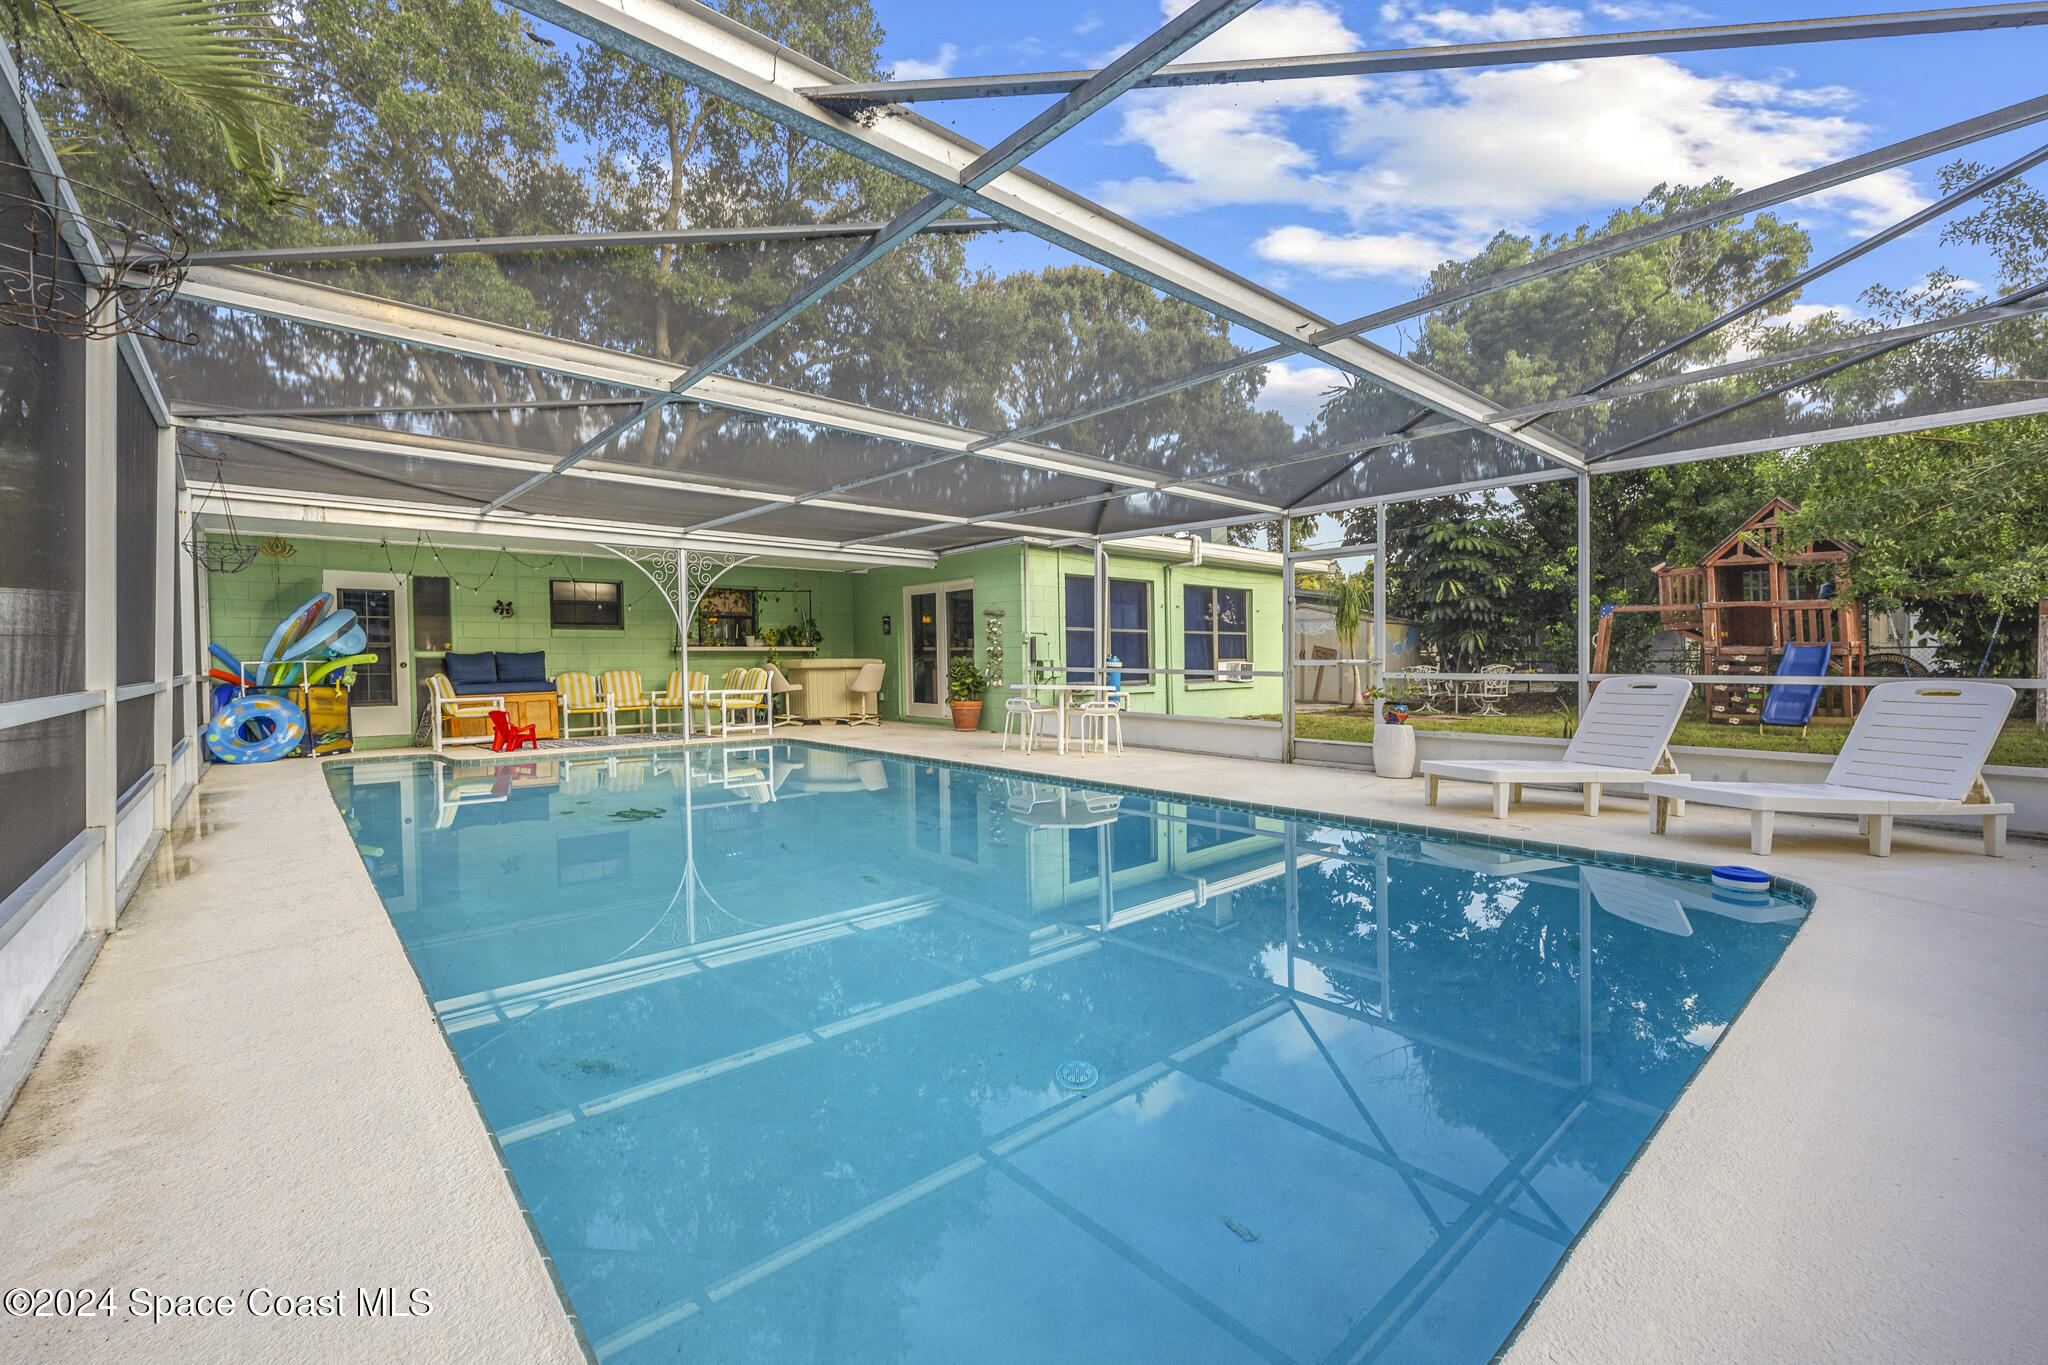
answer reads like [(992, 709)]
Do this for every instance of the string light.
[(423, 541)]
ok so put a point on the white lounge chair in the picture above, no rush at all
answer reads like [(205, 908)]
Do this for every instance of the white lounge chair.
[(1918, 748), (1621, 738)]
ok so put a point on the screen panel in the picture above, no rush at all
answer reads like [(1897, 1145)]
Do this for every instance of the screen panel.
[(42, 493), (137, 522), (42, 794)]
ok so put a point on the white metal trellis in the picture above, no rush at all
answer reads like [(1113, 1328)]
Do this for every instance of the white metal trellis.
[(682, 577)]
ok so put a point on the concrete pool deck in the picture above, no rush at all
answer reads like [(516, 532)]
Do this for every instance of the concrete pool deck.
[(250, 1090)]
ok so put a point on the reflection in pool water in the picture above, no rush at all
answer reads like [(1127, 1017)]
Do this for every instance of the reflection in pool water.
[(783, 1044)]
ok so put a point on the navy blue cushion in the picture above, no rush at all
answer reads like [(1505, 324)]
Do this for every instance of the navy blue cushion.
[(470, 668), (499, 689), (531, 667)]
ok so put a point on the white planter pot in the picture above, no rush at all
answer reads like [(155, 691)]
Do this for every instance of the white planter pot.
[(1393, 750)]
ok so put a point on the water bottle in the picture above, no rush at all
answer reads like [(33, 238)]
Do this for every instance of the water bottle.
[(1113, 672)]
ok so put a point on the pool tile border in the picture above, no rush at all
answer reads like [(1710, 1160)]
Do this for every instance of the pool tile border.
[(1797, 892)]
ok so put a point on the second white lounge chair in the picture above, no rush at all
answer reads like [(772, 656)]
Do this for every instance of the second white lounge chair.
[(1620, 739), (1918, 748)]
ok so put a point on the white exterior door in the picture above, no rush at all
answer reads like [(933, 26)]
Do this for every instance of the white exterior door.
[(381, 702), (938, 624)]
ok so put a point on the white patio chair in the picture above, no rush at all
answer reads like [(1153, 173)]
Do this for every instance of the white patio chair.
[(1621, 738), (1024, 711), (1490, 693), (1918, 748), (1428, 688), (1098, 714)]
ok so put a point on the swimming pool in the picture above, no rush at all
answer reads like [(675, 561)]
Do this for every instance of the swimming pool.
[(805, 1053)]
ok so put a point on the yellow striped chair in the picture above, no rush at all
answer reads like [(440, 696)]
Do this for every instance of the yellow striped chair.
[(743, 703), (673, 698), (623, 692), (579, 697), (449, 708)]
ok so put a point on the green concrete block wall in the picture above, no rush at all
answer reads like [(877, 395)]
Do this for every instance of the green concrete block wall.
[(247, 606), (997, 578), (1166, 694), (848, 606)]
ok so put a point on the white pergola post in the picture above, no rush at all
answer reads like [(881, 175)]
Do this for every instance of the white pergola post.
[(167, 585), (1585, 612), (191, 694), (1287, 663), (683, 619), (1379, 600), (102, 767), (1101, 613)]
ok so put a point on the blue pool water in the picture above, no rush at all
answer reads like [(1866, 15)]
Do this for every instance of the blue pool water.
[(804, 1054)]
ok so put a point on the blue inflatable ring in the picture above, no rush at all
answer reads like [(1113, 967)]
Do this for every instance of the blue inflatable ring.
[(285, 721)]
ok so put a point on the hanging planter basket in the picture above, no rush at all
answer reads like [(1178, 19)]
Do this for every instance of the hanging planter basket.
[(225, 553)]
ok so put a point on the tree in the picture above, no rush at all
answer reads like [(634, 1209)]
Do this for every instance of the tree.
[(1558, 335), (1454, 582)]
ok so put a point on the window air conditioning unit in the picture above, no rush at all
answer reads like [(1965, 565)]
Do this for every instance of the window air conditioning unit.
[(1234, 670)]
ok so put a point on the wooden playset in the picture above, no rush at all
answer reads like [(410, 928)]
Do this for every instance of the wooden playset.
[(1748, 599)]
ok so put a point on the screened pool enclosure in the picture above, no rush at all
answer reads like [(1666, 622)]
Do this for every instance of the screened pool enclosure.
[(805, 360)]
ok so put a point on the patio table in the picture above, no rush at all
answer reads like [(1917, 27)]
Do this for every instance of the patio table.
[(1062, 692)]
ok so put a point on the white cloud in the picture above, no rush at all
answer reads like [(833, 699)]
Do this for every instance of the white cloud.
[(1495, 25), (1354, 255), (1223, 145), (910, 69), (1501, 146), (1458, 155), (1297, 392)]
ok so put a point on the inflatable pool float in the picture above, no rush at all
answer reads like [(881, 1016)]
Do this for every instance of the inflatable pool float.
[(223, 676), (229, 661), (354, 640), (321, 670), (279, 725), (322, 635), (288, 632)]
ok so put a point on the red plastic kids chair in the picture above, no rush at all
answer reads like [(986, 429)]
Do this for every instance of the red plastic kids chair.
[(507, 737)]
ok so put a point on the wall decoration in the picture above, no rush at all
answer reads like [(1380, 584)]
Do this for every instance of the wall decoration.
[(503, 609), (992, 650)]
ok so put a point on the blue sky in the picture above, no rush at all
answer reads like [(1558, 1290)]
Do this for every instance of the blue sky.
[(1341, 193)]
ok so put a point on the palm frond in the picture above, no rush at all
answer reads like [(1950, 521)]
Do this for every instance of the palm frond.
[(218, 61)]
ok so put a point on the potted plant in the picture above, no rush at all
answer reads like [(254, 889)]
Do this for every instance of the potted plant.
[(1393, 739), (1392, 712), (964, 685)]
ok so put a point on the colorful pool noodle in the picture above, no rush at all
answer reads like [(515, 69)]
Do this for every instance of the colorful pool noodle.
[(347, 661)]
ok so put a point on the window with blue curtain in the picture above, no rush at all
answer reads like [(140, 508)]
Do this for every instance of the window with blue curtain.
[(1216, 626), (1130, 628), (1080, 629)]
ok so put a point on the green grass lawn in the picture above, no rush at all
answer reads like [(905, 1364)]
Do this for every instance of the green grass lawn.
[(2021, 745)]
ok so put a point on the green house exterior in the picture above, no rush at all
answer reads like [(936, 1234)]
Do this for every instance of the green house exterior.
[(863, 613)]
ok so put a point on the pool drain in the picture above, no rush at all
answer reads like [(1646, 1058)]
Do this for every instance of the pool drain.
[(1077, 1076)]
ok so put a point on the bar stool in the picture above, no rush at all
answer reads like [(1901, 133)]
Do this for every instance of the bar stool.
[(1025, 712), (1098, 714)]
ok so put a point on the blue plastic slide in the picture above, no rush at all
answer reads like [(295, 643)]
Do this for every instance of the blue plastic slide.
[(1794, 705)]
